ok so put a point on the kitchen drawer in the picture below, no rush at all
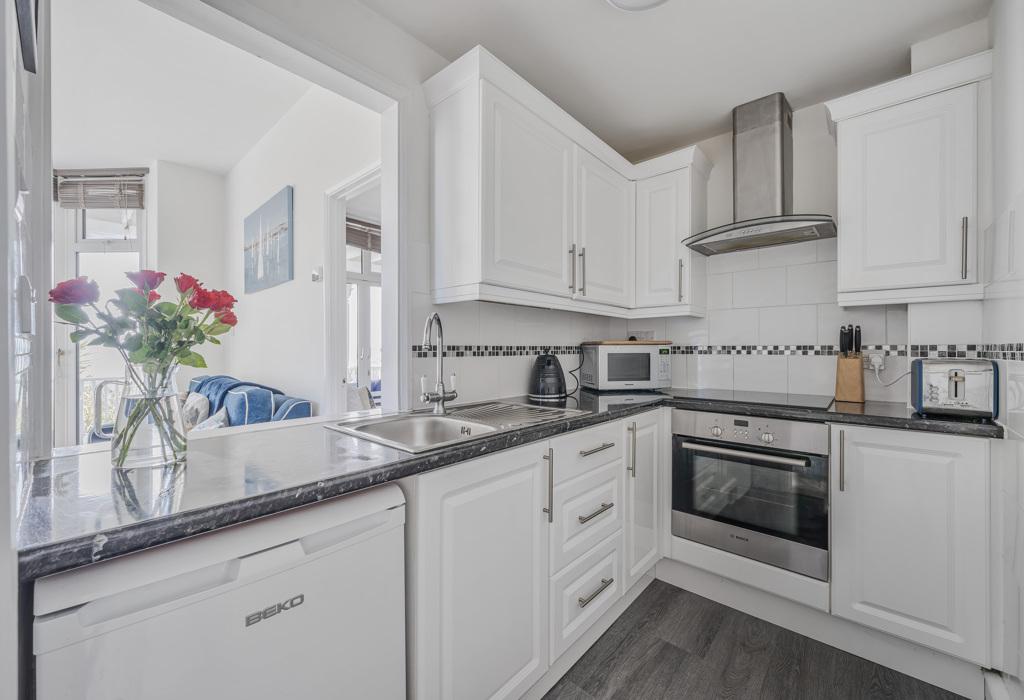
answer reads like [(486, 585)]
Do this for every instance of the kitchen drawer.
[(588, 508), (583, 592), (578, 452)]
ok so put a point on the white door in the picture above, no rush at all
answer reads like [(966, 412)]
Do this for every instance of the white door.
[(910, 536), (662, 216), (527, 194), (643, 436), (908, 194), (605, 224), (480, 597)]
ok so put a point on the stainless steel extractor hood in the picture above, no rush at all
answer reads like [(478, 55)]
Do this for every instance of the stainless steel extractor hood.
[(762, 185)]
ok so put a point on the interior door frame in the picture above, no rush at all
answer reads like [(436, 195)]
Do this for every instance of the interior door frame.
[(335, 279)]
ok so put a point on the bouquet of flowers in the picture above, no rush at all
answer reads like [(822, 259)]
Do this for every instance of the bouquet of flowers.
[(154, 336)]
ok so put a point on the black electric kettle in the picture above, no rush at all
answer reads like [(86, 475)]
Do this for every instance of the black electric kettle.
[(547, 382)]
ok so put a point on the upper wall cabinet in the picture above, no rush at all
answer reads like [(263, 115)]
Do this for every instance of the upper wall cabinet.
[(670, 278), (531, 208), (911, 203)]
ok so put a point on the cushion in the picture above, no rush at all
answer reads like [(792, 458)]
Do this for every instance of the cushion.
[(217, 420), (249, 404), (195, 410), (293, 408)]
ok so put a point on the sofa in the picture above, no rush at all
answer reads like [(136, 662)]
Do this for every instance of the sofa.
[(230, 401)]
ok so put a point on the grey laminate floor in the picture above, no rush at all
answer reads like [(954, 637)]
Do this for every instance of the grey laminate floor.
[(673, 644)]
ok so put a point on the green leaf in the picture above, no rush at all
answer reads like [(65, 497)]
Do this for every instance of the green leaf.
[(139, 355), (192, 359), (132, 301), (213, 340), (72, 313), (166, 308), (133, 342), (80, 334), (217, 328)]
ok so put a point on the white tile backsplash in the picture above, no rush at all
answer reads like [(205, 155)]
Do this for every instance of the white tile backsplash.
[(814, 283), (948, 322), (684, 330), (896, 325), (828, 249), (786, 255), (720, 291), (710, 371), (788, 325), (753, 288), (812, 374), (760, 373), (871, 319), (733, 326), (732, 262)]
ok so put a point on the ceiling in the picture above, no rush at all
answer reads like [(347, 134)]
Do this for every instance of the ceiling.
[(650, 82), (132, 85)]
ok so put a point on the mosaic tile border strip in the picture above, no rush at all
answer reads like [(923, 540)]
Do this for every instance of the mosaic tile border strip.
[(532, 350), (1001, 351)]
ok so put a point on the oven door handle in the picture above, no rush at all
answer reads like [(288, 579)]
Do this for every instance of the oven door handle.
[(788, 461)]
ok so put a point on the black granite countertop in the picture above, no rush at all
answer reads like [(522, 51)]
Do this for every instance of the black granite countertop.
[(74, 509)]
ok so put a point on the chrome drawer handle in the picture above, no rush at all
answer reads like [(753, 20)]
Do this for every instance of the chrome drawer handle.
[(602, 448), (605, 582), (550, 509), (587, 518)]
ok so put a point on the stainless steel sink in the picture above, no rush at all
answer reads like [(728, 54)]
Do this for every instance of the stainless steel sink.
[(422, 431)]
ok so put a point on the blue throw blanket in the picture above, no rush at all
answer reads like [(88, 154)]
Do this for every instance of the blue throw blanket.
[(216, 387)]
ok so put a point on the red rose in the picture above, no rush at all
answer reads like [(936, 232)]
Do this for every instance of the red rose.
[(80, 290), (212, 299), (186, 283), (146, 279), (223, 301), (151, 296), (227, 317)]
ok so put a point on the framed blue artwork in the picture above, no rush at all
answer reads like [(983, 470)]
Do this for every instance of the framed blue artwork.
[(268, 243)]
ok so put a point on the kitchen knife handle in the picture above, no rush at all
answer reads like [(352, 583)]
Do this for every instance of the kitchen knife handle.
[(856, 340)]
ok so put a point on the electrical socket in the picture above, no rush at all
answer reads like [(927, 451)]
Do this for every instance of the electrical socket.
[(873, 360)]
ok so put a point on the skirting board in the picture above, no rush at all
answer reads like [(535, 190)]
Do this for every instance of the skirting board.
[(580, 647), (933, 667)]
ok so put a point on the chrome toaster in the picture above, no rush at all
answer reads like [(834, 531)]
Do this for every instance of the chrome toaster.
[(956, 387)]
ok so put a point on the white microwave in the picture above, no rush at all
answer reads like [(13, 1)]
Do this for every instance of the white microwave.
[(609, 365)]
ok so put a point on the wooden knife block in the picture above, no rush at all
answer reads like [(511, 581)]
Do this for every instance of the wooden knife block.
[(850, 379)]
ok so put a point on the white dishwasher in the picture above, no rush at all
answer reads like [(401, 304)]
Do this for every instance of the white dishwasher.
[(307, 604)]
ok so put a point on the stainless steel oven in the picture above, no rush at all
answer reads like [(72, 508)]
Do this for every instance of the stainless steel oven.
[(756, 487)]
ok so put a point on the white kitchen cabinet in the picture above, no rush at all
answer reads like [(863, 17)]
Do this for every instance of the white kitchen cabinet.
[(669, 208), (531, 208), (605, 232), (910, 537), (909, 206), (643, 435), (584, 591), (479, 576)]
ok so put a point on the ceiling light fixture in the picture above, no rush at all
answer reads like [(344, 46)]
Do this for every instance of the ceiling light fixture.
[(636, 5)]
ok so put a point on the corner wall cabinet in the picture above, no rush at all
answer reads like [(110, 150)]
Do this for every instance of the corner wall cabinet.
[(513, 557), (530, 208), (910, 536), (911, 202)]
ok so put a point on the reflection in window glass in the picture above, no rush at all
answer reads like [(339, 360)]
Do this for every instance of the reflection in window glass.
[(375, 262), (376, 346), (111, 224), (352, 371), (354, 259)]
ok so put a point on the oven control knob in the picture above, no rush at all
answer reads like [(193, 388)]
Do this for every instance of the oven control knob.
[(767, 438), (716, 431)]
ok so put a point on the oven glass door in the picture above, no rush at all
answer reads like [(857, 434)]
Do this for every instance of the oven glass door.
[(777, 493), (628, 366)]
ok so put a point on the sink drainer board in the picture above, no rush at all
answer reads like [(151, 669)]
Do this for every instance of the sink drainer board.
[(422, 431)]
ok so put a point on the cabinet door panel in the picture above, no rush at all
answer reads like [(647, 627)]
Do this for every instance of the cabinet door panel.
[(642, 493), (605, 224), (910, 536), (662, 210), (482, 606), (907, 183), (527, 195)]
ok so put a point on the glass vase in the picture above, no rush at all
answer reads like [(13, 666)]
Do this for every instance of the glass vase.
[(148, 429)]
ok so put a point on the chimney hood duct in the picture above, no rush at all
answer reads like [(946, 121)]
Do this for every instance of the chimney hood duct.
[(762, 185)]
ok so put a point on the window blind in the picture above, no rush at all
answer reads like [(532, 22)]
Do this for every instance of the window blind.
[(100, 189), (363, 235)]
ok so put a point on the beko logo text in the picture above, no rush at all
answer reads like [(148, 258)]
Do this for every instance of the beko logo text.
[(267, 613)]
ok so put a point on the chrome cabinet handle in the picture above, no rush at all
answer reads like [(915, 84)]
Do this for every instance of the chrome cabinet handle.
[(745, 455), (632, 449), (550, 510), (963, 248), (583, 271), (680, 299), (586, 600), (842, 460), (572, 264), (587, 518), (600, 448)]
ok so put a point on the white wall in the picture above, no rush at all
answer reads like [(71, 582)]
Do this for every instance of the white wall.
[(779, 296), (187, 213), (322, 141), (1003, 318)]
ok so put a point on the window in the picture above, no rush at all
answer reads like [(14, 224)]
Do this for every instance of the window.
[(363, 295)]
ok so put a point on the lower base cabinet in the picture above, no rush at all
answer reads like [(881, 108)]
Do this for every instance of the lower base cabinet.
[(583, 592), (910, 536)]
